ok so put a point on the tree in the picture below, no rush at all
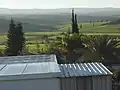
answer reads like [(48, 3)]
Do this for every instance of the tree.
[(105, 46), (75, 28), (73, 22), (116, 77), (93, 24), (16, 40), (76, 25), (68, 45), (81, 26), (20, 38), (90, 21)]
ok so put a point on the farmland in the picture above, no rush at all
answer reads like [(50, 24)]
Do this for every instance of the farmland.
[(87, 28)]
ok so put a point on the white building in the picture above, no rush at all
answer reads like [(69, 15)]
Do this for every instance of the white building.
[(41, 72)]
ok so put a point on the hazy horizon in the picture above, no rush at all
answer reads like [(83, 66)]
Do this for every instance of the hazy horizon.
[(57, 4), (64, 8)]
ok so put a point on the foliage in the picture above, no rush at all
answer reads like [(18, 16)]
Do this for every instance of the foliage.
[(73, 42), (116, 77), (113, 22), (105, 46), (67, 45), (1, 52), (81, 26), (46, 41), (38, 47), (16, 40), (75, 28)]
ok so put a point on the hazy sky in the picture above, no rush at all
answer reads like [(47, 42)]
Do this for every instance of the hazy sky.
[(58, 3)]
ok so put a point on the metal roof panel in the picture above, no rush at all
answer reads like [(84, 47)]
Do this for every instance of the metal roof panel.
[(12, 69), (83, 69), (27, 59)]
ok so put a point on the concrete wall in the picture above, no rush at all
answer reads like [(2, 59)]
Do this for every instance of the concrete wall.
[(38, 84)]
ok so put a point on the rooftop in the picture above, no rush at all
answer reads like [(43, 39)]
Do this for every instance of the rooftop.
[(83, 69), (29, 70), (27, 59), (46, 66)]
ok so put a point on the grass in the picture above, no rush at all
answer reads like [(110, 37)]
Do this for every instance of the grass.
[(32, 47), (104, 29), (2, 46), (42, 33), (112, 34), (3, 38), (84, 25), (32, 37), (98, 27)]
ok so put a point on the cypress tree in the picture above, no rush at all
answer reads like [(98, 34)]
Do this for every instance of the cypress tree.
[(16, 40), (73, 22), (20, 39), (76, 25), (75, 28)]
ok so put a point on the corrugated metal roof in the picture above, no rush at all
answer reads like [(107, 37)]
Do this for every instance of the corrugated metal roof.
[(83, 69), (45, 66), (27, 59)]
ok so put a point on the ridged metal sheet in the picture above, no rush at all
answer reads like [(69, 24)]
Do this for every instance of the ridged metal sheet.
[(83, 69), (27, 59)]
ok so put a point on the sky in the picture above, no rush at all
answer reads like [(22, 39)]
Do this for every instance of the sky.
[(52, 4)]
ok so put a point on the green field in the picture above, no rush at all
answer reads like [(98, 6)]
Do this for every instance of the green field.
[(42, 33), (97, 28), (87, 28), (30, 47)]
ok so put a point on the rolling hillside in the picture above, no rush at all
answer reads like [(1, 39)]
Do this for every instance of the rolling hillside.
[(42, 20), (41, 23), (4, 25), (99, 27)]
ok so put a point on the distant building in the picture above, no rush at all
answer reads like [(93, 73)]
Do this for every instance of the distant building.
[(42, 72)]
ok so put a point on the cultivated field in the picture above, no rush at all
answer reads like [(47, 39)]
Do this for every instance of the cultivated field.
[(87, 28)]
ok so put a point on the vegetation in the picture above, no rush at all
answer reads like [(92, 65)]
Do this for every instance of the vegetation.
[(105, 47), (92, 40), (16, 40), (75, 28)]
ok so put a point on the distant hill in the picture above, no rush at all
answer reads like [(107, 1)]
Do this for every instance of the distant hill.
[(55, 19), (42, 23), (47, 19), (116, 22), (4, 26), (86, 11), (38, 23)]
